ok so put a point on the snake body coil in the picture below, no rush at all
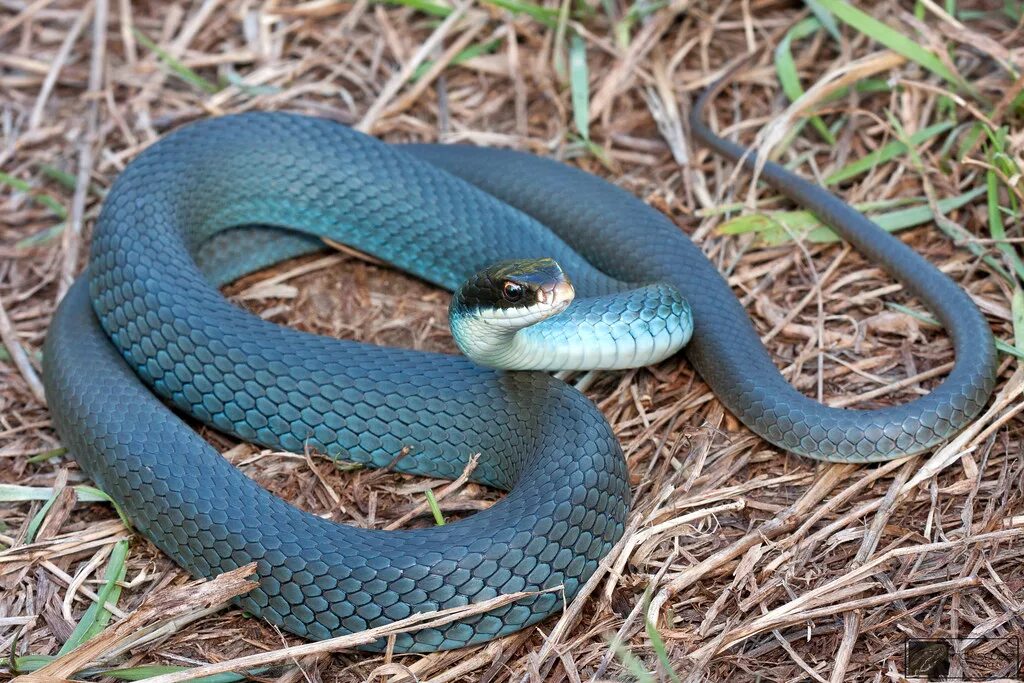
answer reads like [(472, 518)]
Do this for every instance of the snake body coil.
[(224, 197)]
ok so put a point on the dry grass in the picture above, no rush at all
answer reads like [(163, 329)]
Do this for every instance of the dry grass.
[(762, 565)]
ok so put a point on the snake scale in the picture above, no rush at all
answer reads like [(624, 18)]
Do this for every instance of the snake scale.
[(226, 196)]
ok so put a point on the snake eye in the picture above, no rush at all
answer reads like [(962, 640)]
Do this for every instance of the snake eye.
[(512, 291)]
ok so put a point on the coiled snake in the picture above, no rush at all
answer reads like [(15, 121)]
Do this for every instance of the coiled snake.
[(227, 196)]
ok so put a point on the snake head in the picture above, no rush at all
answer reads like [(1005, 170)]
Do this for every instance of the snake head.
[(511, 295)]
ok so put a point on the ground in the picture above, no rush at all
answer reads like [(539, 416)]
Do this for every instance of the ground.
[(761, 565)]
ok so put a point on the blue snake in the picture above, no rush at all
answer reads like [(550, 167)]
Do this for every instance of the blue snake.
[(145, 325)]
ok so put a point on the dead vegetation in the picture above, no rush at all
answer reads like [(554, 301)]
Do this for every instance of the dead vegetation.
[(750, 563)]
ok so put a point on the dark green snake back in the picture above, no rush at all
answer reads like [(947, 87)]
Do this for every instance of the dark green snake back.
[(222, 197)]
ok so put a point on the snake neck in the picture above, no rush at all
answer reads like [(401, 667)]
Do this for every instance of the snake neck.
[(633, 329), (484, 342)]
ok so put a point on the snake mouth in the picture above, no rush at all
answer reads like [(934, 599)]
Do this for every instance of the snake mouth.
[(557, 296)]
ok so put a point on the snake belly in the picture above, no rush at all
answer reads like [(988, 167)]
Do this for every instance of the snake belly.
[(227, 196)]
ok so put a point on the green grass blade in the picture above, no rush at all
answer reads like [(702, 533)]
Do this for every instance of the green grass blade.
[(969, 140), (609, 9), (579, 83), (37, 519), (435, 509), (545, 15), (42, 237), (461, 58), (771, 226), (633, 664), (141, 673), (661, 651), (891, 38), (97, 617), (886, 153), (13, 493), (26, 664), (996, 227), (955, 232), (1017, 311), (872, 206), (594, 149), (40, 198), (635, 14), (775, 228), (116, 569), (85, 492), (29, 663), (623, 32), (1002, 160), (558, 49), (59, 176), (915, 314), (424, 6), (1018, 103), (1009, 349), (789, 78), (46, 455), (5, 355), (825, 17), (174, 66)]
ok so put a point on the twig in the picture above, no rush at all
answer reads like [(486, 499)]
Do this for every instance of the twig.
[(72, 237), (416, 622), (23, 16), (396, 82), (58, 63), (10, 338)]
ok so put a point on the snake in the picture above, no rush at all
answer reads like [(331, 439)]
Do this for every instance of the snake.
[(145, 332), (523, 314)]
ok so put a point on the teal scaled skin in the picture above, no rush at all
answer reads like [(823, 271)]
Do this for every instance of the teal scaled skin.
[(226, 196)]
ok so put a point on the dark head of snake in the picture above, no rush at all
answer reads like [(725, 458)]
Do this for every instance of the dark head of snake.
[(489, 310), (511, 295)]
